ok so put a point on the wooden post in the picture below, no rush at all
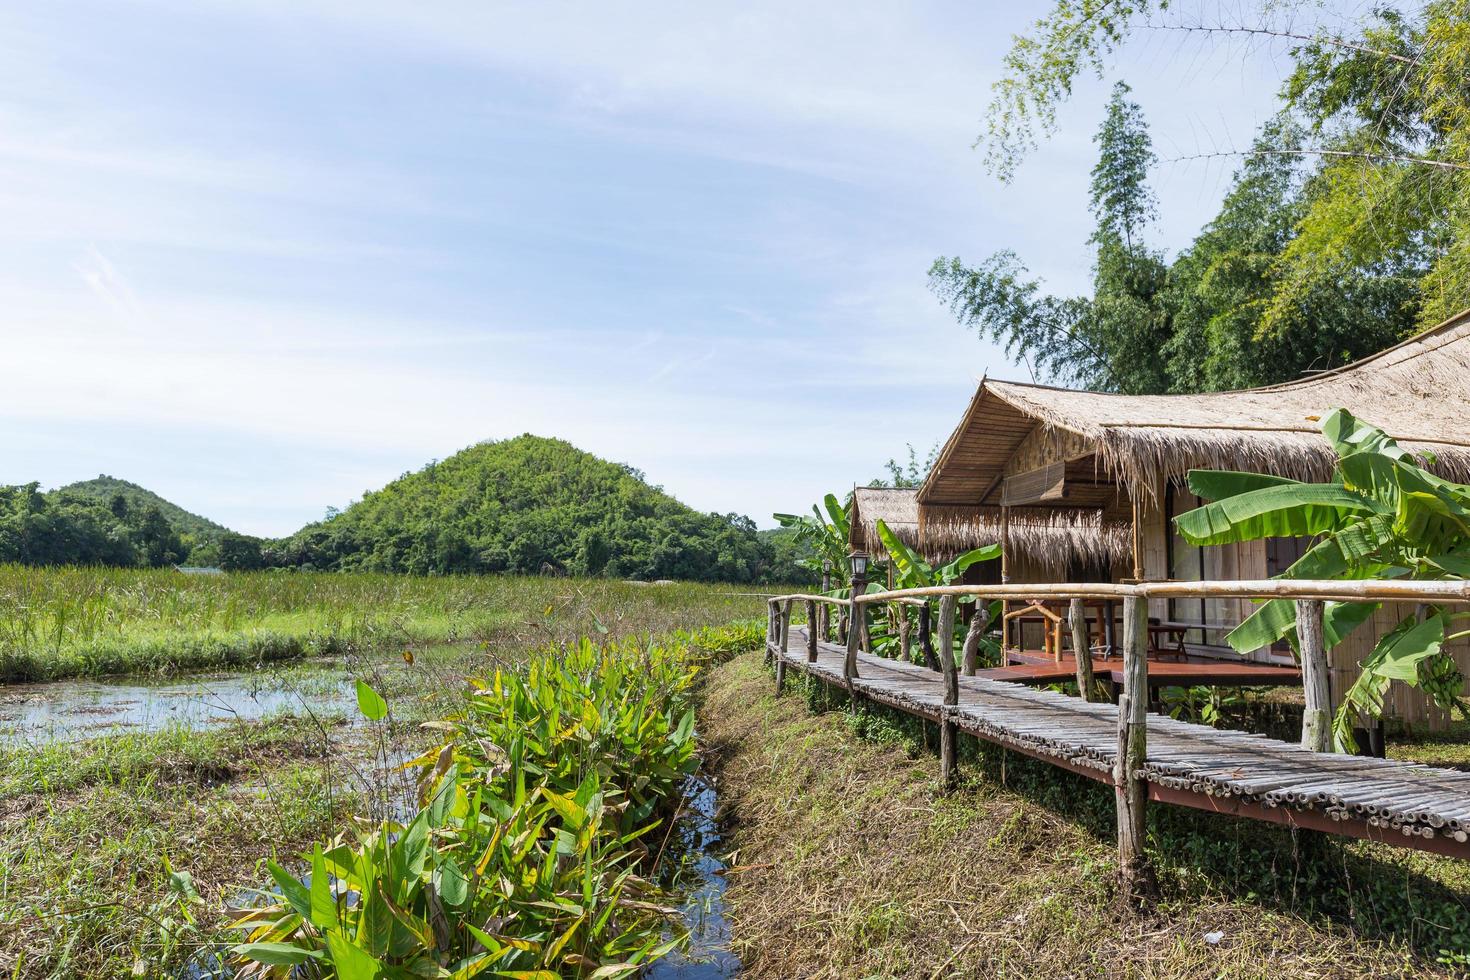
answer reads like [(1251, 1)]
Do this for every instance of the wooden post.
[(1317, 715), (812, 612), (926, 637), (771, 629), (1137, 537), (1082, 649), (1005, 579), (951, 693), (979, 622), (905, 645), (826, 611), (785, 645), (849, 663), (1136, 884)]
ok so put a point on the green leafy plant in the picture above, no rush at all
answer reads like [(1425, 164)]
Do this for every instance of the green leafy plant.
[(525, 857), (824, 534), (911, 571), (1383, 515)]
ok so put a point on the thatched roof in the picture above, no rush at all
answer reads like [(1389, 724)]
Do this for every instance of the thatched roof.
[(897, 508), (1056, 538), (1418, 392)]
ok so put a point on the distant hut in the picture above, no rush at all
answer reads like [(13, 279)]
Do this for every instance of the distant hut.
[(1024, 449), (1050, 543)]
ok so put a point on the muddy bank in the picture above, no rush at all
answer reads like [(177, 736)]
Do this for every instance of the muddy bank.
[(853, 867)]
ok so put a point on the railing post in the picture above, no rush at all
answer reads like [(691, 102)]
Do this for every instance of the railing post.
[(812, 613), (783, 645), (905, 642), (771, 628), (849, 662), (1081, 648), (947, 734), (926, 637), (1137, 880), (1316, 691), (979, 622), (826, 610)]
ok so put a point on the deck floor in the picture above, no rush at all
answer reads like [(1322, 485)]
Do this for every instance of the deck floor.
[(1188, 764), (1030, 668)]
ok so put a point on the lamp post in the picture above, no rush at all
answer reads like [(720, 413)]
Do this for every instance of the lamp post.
[(857, 616)]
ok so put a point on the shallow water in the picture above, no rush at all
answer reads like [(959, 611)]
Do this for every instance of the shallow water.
[(75, 709), (699, 878)]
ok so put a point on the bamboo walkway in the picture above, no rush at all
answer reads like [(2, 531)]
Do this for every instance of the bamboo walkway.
[(1234, 773)]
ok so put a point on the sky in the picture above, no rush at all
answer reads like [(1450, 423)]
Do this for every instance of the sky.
[(263, 257)]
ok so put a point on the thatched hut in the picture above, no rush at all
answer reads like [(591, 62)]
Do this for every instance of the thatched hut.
[(1023, 447)]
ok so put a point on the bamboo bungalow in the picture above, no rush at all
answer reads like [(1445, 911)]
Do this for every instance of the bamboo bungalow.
[(1024, 449)]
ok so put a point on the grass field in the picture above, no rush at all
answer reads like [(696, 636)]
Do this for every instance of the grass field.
[(853, 866), (83, 622), (90, 831)]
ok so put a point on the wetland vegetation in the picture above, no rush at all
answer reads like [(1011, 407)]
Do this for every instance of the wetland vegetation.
[(122, 850)]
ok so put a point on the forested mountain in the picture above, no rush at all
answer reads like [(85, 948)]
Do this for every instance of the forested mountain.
[(104, 488), (67, 528), (524, 505), (531, 504)]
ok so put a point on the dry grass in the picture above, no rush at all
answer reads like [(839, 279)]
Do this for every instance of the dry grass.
[(854, 868)]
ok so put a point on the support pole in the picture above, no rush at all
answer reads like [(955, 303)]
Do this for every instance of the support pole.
[(979, 622), (857, 627), (926, 637), (771, 629), (812, 612), (1317, 715), (849, 663), (905, 643), (1137, 884), (1005, 579), (826, 611), (785, 645), (947, 747), (1081, 649)]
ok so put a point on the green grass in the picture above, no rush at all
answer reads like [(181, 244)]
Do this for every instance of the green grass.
[(85, 622), (89, 830)]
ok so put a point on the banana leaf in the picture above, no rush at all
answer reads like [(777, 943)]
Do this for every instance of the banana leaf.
[(1219, 484), (948, 573), (912, 571), (1285, 511)]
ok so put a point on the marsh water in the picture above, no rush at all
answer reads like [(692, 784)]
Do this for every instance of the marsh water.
[(696, 871), (75, 709)]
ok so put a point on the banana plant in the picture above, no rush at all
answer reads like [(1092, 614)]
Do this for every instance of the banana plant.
[(911, 571), (825, 534), (1382, 515)]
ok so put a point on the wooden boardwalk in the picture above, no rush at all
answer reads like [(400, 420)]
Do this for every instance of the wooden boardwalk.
[(1234, 773)]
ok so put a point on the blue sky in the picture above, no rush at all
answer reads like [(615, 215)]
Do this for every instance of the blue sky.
[(261, 257)]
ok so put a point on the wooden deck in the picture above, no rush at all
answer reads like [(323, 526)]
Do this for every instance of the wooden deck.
[(1028, 668), (1235, 773)]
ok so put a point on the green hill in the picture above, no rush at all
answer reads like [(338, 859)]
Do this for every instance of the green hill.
[(104, 488), (530, 505)]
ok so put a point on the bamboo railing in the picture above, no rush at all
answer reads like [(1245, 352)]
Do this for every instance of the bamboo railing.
[(1131, 791)]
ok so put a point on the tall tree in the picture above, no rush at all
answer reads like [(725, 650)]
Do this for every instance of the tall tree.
[(1382, 217), (1108, 341)]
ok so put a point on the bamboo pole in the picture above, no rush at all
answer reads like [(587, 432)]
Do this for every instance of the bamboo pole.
[(947, 747), (1081, 648), (1332, 590), (1137, 539), (1131, 792), (1317, 715)]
